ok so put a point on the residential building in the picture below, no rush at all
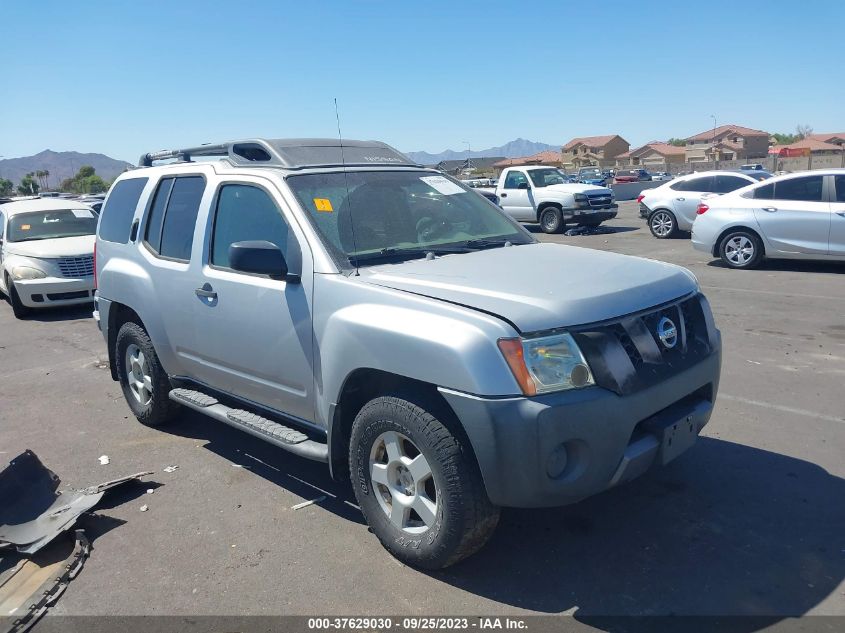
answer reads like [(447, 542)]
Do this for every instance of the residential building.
[(834, 138), (586, 151), (727, 142), (549, 157), (655, 155), (819, 154)]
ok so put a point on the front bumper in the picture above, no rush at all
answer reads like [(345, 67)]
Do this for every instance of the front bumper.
[(594, 217), (55, 291), (559, 448)]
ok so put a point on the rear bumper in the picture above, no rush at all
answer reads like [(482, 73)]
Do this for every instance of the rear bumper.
[(559, 448), (54, 291)]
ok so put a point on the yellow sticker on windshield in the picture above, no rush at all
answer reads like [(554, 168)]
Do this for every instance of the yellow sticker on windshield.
[(323, 204), (25, 227)]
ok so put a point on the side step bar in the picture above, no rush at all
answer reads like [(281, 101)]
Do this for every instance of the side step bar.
[(278, 434)]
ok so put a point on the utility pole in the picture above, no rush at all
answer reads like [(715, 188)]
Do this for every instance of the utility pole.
[(469, 159), (713, 143)]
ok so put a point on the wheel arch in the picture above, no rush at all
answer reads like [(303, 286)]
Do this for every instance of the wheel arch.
[(737, 227)]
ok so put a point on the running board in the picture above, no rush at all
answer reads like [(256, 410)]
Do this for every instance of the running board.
[(278, 434)]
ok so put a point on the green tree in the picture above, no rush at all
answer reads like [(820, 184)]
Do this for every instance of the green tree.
[(85, 181), (784, 139), (85, 171), (677, 142), (28, 186), (7, 187)]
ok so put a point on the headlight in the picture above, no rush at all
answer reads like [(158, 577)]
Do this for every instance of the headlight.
[(547, 363), (27, 272), (581, 201)]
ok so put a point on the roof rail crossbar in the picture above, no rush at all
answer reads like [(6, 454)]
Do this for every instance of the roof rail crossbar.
[(256, 150)]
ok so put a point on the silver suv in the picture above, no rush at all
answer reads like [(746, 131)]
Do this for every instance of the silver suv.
[(349, 306)]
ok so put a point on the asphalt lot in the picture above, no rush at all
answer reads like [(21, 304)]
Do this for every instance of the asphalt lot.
[(750, 521)]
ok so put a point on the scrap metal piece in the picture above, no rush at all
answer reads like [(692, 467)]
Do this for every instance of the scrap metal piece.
[(32, 513), (29, 586)]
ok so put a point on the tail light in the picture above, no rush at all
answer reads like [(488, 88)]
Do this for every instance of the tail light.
[(95, 264), (640, 198), (702, 208)]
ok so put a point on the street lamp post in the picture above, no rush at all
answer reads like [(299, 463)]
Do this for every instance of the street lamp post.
[(713, 143)]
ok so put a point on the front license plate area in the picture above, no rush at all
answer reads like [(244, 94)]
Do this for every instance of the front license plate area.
[(676, 438)]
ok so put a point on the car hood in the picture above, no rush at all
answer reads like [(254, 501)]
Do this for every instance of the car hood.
[(57, 247), (540, 286), (577, 187)]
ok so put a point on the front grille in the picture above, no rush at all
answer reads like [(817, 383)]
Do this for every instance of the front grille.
[(77, 266), (600, 201), (628, 355)]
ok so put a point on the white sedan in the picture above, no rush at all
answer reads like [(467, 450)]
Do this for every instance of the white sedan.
[(798, 216), (46, 253)]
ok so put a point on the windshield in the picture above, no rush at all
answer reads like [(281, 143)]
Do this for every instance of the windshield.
[(369, 215), (546, 177), (48, 225), (590, 173)]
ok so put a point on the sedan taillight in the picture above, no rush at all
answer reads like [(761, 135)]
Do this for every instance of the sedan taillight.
[(702, 208)]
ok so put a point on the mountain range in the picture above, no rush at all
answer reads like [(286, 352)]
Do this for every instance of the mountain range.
[(61, 165), (513, 149)]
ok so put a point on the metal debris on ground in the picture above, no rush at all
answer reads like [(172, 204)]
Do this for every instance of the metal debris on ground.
[(104, 459), (170, 469), (589, 230), (144, 508), (308, 503), (150, 491)]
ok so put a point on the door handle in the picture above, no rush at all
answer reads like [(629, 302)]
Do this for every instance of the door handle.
[(504, 195), (680, 199), (769, 209), (206, 292)]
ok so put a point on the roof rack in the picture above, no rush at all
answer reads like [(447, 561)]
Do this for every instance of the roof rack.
[(288, 153)]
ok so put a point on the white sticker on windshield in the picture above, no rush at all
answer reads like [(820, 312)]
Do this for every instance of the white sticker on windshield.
[(83, 213), (442, 185)]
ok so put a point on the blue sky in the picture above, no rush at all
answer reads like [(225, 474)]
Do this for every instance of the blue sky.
[(123, 78)]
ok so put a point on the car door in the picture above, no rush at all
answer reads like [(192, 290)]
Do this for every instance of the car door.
[(254, 331), (687, 195), (836, 244), (794, 215), (516, 198)]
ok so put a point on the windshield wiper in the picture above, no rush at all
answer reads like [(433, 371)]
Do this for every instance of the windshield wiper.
[(485, 243), (408, 253)]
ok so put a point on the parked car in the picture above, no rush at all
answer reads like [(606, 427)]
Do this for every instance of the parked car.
[(798, 216), (671, 207), (542, 194), (492, 197), (643, 175), (46, 253), (751, 167), (388, 321), (662, 176), (593, 176), (626, 175)]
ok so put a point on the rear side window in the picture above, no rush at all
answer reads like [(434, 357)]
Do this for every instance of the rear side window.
[(173, 216), (726, 184), (806, 189), (116, 216), (245, 213), (705, 184), (840, 189)]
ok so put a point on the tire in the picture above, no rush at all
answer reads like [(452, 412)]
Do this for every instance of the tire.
[(551, 220), (151, 404), (662, 224), (18, 308), (456, 518), (741, 249)]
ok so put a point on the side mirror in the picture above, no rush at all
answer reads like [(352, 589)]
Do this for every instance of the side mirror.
[(522, 185), (260, 257)]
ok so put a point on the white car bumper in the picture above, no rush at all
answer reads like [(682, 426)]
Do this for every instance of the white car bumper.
[(53, 291)]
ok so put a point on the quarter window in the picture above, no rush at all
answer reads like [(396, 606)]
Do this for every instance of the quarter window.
[(245, 213), (116, 215), (726, 184), (766, 192), (704, 184), (806, 189)]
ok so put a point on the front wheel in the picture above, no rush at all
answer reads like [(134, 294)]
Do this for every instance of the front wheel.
[(418, 485), (551, 220), (741, 249), (18, 308), (662, 224)]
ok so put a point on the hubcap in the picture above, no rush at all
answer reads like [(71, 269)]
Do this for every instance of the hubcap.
[(739, 250), (549, 219), (138, 375), (403, 483), (661, 224)]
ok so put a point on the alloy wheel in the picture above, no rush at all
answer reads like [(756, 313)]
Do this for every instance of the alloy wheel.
[(739, 250), (138, 375), (662, 224)]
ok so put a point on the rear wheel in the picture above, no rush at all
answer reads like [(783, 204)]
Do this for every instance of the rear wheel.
[(551, 220), (741, 249), (144, 382), (418, 485), (662, 224)]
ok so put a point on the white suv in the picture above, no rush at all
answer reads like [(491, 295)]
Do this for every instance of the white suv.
[(671, 207)]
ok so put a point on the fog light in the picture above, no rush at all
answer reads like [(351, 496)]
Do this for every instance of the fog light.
[(557, 461)]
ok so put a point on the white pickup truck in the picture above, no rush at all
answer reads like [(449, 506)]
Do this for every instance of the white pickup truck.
[(543, 194)]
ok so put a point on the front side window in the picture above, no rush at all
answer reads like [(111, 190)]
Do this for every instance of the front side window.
[(173, 216), (116, 215), (49, 225), (367, 215), (245, 213), (546, 177), (806, 189), (514, 179)]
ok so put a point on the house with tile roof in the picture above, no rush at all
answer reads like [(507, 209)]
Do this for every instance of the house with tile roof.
[(726, 142), (585, 151), (549, 157), (654, 155)]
